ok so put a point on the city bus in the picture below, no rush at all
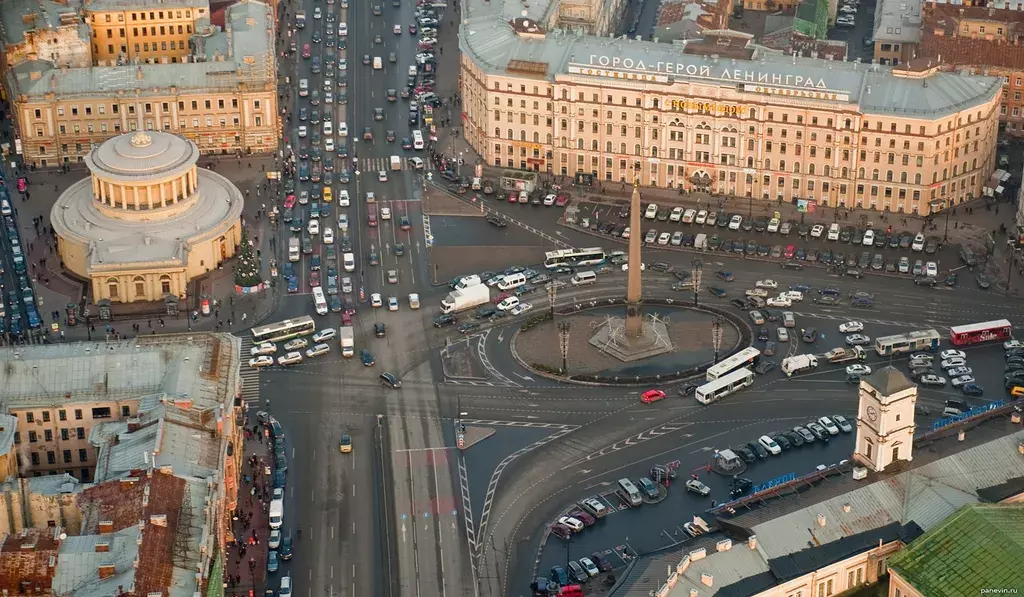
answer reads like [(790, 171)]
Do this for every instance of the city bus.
[(284, 330), (574, 257), (747, 357), (909, 342), (723, 386), (319, 301), (986, 331)]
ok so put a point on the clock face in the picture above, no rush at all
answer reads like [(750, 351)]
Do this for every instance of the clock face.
[(872, 413)]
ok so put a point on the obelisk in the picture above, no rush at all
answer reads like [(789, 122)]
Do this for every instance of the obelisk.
[(634, 319)]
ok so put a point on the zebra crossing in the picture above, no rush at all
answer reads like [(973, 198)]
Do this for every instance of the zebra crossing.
[(250, 375), (378, 163)]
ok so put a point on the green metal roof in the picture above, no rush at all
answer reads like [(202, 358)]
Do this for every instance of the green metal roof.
[(979, 547)]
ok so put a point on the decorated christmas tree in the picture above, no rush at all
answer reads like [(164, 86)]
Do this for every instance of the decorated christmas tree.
[(247, 270)]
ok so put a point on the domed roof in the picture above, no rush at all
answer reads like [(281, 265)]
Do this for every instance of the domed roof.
[(142, 155)]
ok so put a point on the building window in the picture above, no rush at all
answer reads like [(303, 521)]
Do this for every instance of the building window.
[(46, 416), (32, 437), (80, 431), (112, 292), (67, 456), (140, 287), (51, 458), (126, 411), (64, 435), (165, 284), (101, 412), (30, 417), (83, 455), (48, 435), (35, 458), (78, 414)]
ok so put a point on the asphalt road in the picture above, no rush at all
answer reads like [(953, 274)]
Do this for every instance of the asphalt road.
[(14, 323)]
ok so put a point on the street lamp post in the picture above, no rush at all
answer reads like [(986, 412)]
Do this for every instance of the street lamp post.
[(552, 295), (563, 345), (697, 271), (717, 329)]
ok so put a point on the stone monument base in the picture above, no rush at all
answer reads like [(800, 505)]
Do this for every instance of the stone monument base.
[(611, 339)]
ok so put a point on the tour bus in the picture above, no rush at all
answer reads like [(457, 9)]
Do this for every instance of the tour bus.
[(723, 386), (284, 330), (319, 301), (913, 341), (417, 139)]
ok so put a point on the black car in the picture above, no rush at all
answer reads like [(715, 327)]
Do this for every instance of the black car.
[(285, 551), (762, 335), (687, 389), (765, 367), (740, 486), (827, 299), (390, 380), (794, 438), (444, 319), (783, 442), (380, 330), (746, 454), (497, 221), (468, 327), (758, 449)]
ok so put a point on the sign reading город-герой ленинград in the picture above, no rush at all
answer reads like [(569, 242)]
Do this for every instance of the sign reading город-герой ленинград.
[(616, 67)]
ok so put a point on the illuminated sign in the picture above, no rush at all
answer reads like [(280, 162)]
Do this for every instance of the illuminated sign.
[(707, 107), (819, 94)]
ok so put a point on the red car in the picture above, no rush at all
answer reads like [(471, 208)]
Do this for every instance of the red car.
[(790, 250), (513, 198), (289, 202), (346, 319), (561, 531), (314, 279), (583, 517), (305, 51), (561, 200), (423, 89), (501, 296), (652, 396)]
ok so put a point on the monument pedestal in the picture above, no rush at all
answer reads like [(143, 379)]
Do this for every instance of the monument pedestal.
[(611, 338)]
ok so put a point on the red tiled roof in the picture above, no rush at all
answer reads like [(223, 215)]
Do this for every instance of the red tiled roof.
[(126, 503), (940, 37), (25, 562)]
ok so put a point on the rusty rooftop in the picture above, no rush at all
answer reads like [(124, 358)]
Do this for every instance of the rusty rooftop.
[(1001, 47), (28, 561)]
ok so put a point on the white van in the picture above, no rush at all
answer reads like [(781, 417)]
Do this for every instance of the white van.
[(396, 162), (417, 139), (276, 513), (303, 87), (629, 492), (412, 70), (377, 63), (511, 281), (467, 281), (583, 278), (349, 261)]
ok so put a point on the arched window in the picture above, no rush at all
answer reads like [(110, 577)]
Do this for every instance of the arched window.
[(844, 173), (549, 139), (888, 175), (654, 152), (522, 135), (796, 167), (140, 287), (782, 165), (112, 288), (165, 284), (828, 170), (750, 161), (636, 149), (917, 178), (903, 177), (874, 174), (810, 168), (608, 147), (497, 133), (564, 142), (767, 164), (510, 135), (622, 148), (579, 143), (536, 137)]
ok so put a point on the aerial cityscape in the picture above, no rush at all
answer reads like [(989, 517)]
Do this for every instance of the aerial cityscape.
[(636, 298)]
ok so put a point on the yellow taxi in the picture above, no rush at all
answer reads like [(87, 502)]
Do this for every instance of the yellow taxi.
[(328, 195), (345, 446)]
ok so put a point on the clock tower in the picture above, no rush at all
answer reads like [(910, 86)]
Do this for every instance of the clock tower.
[(885, 419)]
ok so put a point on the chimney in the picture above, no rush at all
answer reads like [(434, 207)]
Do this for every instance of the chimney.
[(698, 554), (847, 507), (694, 592), (102, 547), (724, 545), (106, 570), (133, 424), (752, 542), (159, 520), (821, 520), (106, 527), (706, 579)]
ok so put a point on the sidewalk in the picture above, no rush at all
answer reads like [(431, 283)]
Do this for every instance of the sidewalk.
[(246, 559)]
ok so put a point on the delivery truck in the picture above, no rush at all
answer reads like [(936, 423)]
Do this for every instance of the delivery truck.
[(347, 338), (465, 298), (396, 162), (844, 354), (801, 363)]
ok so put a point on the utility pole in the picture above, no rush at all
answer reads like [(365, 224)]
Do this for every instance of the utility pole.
[(717, 329), (563, 344), (697, 271), (552, 295)]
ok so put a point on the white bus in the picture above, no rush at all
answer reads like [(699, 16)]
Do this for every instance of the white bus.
[(574, 257), (747, 357), (723, 386), (909, 342), (319, 301), (417, 139), (284, 330)]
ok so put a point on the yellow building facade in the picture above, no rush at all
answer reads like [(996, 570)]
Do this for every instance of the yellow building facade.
[(146, 31)]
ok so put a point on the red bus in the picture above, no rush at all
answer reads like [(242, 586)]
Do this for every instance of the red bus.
[(976, 333)]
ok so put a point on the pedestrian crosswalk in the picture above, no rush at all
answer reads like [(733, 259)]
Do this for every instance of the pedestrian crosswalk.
[(374, 165), (250, 375)]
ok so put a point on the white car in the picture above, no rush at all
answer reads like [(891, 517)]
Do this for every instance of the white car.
[(769, 444), (851, 326), (664, 238), (382, 176), (1011, 344), (780, 301), (783, 334), (858, 370), (688, 216), (385, 213), (313, 227), (324, 334), (817, 230), (343, 200), (397, 29), (376, 300), (953, 354), (829, 425), (962, 381), (261, 361), (735, 222), (343, 29), (760, 292), (343, 222), (508, 303), (651, 212), (342, 129), (329, 144), (858, 340), (794, 295), (833, 232), (773, 225), (290, 359), (573, 523), (303, 131), (296, 344), (922, 356), (317, 350), (521, 308), (263, 348), (392, 303), (328, 236), (702, 216), (317, 14), (625, 267), (930, 379), (772, 284), (959, 371), (953, 363), (676, 215), (414, 300), (931, 269), (869, 238), (274, 541), (590, 566)]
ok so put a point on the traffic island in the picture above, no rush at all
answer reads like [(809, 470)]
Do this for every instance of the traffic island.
[(581, 339), (475, 435)]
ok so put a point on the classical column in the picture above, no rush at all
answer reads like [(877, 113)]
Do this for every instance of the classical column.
[(135, 192), (634, 318), (163, 194)]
